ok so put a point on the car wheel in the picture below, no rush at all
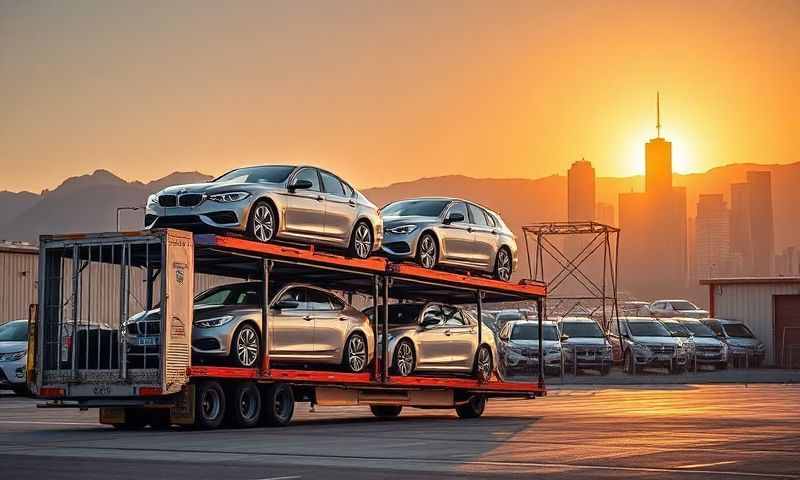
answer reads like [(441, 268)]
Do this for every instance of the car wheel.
[(404, 360), (386, 411), (628, 363), (210, 405), (246, 346), (473, 408), (361, 241), (263, 222), (427, 251), (21, 391), (502, 265), (355, 353), (605, 371), (278, 405), (483, 364), (245, 405)]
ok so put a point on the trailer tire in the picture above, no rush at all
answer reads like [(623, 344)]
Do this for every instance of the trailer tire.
[(135, 419), (473, 408), (209, 405), (244, 405), (278, 405), (386, 411)]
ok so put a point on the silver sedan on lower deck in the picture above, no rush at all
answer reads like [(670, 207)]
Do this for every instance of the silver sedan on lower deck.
[(449, 232)]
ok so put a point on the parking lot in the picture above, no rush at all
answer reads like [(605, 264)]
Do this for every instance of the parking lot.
[(708, 431)]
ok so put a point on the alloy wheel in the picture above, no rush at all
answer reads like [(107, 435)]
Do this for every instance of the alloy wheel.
[(247, 347), (427, 252), (363, 241), (404, 359), (263, 223), (484, 364), (356, 353), (503, 267)]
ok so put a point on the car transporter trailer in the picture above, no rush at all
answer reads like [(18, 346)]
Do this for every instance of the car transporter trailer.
[(83, 359)]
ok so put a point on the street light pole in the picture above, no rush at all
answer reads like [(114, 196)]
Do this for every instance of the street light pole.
[(120, 209)]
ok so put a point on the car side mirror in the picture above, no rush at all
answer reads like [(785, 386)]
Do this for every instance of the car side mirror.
[(300, 185), (564, 338), (454, 217), (286, 305)]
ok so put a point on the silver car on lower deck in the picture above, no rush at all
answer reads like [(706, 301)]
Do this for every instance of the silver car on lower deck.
[(290, 203), (449, 232), (438, 337), (308, 325)]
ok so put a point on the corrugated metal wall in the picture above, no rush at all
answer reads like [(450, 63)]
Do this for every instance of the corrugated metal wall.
[(19, 280), (752, 304)]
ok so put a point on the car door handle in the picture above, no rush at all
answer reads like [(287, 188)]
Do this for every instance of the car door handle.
[(343, 318), (448, 332), (319, 198), (469, 229), (494, 232), (352, 203), (308, 318)]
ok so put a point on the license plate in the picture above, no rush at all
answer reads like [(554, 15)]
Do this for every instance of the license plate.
[(587, 357), (664, 357), (147, 341)]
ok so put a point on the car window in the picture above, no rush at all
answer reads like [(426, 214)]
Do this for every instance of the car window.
[(309, 174), (295, 294), (348, 190), (336, 303), (582, 329), (459, 207), (476, 216), (714, 326), (318, 300), (243, 294), (434, 312), (414, 208), (268, 174), (453, 317), (738, 330), (490, 219), (683, 306), (332, 184), (14, 332)]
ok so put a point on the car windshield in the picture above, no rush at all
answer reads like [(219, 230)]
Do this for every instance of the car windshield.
[(14, 332), (238, 294), (531, 332), (648, 329), (505, 317), (677, 329), (269, 174), (415, 208), (399, 313), (682, 305), (582, 329), (737, 330), (699, 330)]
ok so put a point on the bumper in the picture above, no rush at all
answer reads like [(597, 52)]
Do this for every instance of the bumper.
[(588, 359), (660, 360), (12, 374), (400, 245), (207, 215)]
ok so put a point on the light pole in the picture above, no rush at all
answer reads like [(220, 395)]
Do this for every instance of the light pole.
[(120, 209)]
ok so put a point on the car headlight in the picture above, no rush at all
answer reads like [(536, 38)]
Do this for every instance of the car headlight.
[(213, 322), (228, 197), (761, 347), (152, 199), (641, 348), (11, 356), (402, 229)]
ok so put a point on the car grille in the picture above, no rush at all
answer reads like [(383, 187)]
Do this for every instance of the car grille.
[(177, 220), (167, 200), (150, 327), (190, 199), (708, 349), (662, 349)]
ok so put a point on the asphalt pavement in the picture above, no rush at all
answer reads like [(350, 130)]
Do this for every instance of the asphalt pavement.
[(666, 431)]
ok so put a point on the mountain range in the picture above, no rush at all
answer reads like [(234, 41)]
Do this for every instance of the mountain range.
[(88, 203)]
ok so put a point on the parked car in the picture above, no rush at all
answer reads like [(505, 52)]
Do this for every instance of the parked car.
[(742, 344), (677, 308), (504, 316), (14, 356), (291, 203), (634, 308), (519, 347), (307, 325), (677, 329), (449, 232), (708, 349), (645, 342), (437, 337), (584, 343)]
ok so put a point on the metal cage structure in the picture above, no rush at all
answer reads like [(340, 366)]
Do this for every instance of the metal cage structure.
[(596, 294)]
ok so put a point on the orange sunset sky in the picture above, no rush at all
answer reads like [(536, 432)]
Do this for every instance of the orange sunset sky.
[(384, 91)]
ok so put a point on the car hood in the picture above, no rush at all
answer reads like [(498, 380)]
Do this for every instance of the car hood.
[(532, 343), (657, 340), (708, 341), (743, 342), (11, 347), (219, 187), (395, 221), (584, 341)]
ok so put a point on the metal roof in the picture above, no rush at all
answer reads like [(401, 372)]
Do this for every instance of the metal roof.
[(748, 280)]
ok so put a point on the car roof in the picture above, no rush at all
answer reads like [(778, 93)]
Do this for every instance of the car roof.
[(725, 320), (533, 322), (673, 300), (639, 319), (577, 319)]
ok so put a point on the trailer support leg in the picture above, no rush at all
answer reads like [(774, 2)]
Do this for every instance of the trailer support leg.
[(266, 265), (540, 317)]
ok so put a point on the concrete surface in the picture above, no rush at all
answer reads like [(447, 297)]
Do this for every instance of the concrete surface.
[(705, 375), (710, 431)]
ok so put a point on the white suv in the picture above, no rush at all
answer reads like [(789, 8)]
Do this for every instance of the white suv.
[(677, 308)]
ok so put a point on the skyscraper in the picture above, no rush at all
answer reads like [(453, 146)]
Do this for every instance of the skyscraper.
[(581, 192), (712, 237), (762, 229), (741, 245)]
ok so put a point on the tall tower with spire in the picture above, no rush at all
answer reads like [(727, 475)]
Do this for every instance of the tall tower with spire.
[(658, 158)]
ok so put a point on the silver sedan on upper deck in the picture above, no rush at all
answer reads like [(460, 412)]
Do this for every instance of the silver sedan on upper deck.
[(303, 204), (449, 232)]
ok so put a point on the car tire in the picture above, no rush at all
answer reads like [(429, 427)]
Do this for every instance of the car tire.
[(605, 371), (503, 264), (473, 408), (386, 411), (722, 366), (209, 405), (361, 241), (262, 226), (21, 391), (355, 362), (245, 347), (244, 405), (627, 364), (484, 365), (405, 359), (278, 405), (427, 251)]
